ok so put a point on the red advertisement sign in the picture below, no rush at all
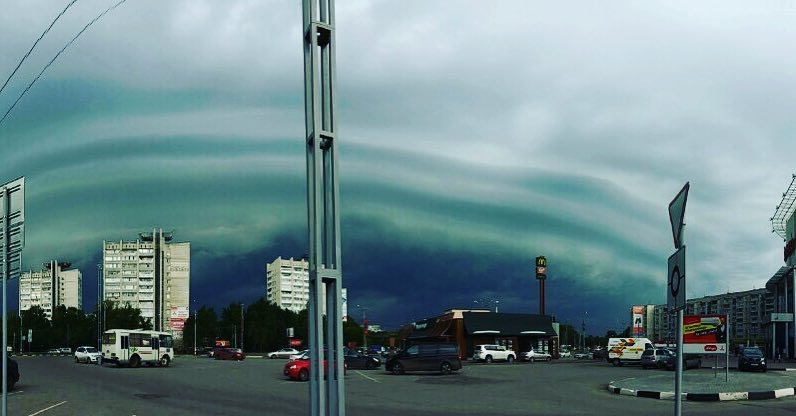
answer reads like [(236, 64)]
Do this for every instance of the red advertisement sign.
[(705, 334), (295, 342)]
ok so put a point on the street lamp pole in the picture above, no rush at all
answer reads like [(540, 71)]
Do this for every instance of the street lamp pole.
[(241, 326), (364, 326), (194, 327), (99, 307)]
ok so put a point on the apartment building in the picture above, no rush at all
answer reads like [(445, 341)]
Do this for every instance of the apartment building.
[(151, 273), (56, 284), (746, 311), (287, 284)]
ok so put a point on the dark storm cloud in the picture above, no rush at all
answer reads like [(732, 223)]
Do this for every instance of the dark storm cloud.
[(474, 137)]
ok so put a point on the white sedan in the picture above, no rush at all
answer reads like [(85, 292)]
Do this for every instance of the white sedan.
[(283, 353), (535, 356), (298, 355)]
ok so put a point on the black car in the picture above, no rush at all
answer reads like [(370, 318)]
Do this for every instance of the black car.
[(752, 358), (13, 373), (357, 360), (442, 357)]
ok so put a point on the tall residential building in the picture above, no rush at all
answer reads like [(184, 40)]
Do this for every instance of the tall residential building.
[(153, 274), (50, 287), (287, 284), (746, 311)]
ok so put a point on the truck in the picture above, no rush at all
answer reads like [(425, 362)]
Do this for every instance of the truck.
[(627, 350)]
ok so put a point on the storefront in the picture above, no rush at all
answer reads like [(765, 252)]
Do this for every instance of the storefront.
[(468, 328), (780, 326)]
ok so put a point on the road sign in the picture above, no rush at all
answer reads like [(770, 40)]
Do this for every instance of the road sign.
[(12, 215), (676, 213), (675, 285)]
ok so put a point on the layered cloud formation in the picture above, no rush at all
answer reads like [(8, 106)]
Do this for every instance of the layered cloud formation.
[(474, 137)]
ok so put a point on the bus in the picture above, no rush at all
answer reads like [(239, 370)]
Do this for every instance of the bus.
[(136, 346)]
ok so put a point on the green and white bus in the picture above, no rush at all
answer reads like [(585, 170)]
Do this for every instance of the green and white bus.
[(136, 346)]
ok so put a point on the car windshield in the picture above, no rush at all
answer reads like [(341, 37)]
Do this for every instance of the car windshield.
[(91, 349), (753, 352)]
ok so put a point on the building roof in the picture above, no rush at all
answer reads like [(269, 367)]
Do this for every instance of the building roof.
[(510, 324), (430, 328), (777, 277)]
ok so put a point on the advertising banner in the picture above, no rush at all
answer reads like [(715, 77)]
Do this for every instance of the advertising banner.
[(705, 334), (179, 312), (638, 321)]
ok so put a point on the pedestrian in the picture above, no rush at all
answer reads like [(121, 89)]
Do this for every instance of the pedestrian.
[(779, 355)]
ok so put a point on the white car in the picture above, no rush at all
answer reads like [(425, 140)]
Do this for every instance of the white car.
[(87, 355), (491, 352), (283, 353), (564, 354), (533, 355), (584, 355), (298, 355)]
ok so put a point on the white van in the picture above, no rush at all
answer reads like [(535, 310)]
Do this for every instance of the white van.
[(622, 350)]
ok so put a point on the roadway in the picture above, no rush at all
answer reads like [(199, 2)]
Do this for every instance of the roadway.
[(201, 386)]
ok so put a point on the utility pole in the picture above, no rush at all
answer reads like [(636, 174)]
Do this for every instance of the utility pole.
[(99, 307), (195, 314), (364, 326), (241, 326)]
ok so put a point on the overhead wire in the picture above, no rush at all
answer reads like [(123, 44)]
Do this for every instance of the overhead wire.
[(36, 43), (99, 16)]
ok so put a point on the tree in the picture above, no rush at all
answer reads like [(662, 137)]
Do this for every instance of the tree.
[(124, 317)]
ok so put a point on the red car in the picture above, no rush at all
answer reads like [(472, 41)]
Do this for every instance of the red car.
[(229, 354), (299, 369)]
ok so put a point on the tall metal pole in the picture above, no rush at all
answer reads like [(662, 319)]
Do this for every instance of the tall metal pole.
[(678, 378), (241, 327), (99, 307), (323, 217), (6, 273), (194, 328)]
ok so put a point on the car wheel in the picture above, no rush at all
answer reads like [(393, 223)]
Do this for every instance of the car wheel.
[(531, 359), (135, 361), (272, 356), (445, 368), (77, 360), (165, 361), (510, 359), (488, 359), (304, 375), (397, 369), (10, 385), (368, 365)]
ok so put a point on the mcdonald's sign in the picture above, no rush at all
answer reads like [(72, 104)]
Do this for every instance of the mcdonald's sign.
[(541, 267)]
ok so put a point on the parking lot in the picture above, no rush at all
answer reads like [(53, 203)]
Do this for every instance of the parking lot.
[(201, 386)]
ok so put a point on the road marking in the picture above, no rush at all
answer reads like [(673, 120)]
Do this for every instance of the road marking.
[(367, 377), (16, 392), (46, 409)]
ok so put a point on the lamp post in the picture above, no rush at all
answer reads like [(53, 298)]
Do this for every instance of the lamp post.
[(194, 327), (241, 327), (99, 307), (364, 326)]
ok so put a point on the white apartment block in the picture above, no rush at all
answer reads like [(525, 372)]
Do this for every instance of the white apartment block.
[(50, 287), (152, 274), (287, 284)]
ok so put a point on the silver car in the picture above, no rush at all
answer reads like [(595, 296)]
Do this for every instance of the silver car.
[(87, 355)]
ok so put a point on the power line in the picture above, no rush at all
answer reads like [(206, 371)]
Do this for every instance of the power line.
[(36, 43), (57, 55)]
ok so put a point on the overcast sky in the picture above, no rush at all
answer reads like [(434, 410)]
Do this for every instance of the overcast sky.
[(474, 136)]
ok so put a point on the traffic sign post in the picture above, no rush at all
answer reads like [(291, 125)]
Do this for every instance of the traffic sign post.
[(675, 286), (12, 240)]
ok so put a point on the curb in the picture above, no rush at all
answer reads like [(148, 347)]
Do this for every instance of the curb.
[(705, 397)]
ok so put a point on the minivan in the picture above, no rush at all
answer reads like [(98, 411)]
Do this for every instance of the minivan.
[(442, 357), (655, 357)]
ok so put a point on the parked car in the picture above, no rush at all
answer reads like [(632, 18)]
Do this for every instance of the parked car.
[(283, 353), (236, 354), (65, 350), (691, 361), (492, 352), (87, 355), (655, 357), (53, 351), (358, 360), (752, 358), (442, 357), (299, 369), (13, 373), (298, 355), (565, 354), (533, 355), (584, 355)]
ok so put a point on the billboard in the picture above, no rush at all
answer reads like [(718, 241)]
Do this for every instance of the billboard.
[(705, 334), (638, 321)]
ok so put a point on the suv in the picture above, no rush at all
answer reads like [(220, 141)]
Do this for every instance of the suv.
[(87, 355), (752, 358), (65, 350), (492, 352), (442, 357), (655, 357)]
